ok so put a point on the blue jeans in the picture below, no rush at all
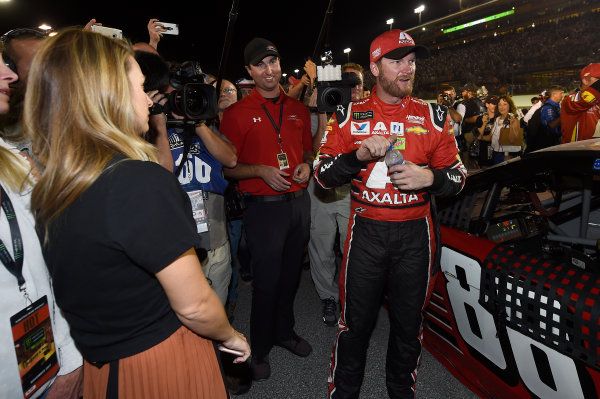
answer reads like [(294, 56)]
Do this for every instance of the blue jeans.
[(497, 158)]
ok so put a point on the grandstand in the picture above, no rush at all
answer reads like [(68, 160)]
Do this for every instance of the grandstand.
[(514, 47)]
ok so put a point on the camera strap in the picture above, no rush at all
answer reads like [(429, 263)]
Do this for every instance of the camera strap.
[(277, 128), (14, 266), (187, 144)]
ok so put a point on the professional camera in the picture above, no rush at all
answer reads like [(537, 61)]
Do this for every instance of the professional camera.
[(192, 98), (334, 87), (446, 97)]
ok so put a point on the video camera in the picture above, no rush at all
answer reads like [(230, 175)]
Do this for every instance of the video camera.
[(334, 87), (192, 98)]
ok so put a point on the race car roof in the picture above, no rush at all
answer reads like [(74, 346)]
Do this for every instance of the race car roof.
[(553, 164)]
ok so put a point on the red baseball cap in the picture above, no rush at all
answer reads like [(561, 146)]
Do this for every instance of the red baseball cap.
[(592, 70), (395, 44)]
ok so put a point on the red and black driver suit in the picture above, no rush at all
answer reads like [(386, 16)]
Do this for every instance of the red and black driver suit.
[(391, 241)]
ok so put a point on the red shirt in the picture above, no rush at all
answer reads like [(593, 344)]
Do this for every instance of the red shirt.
[(247, 125), (579, 114)]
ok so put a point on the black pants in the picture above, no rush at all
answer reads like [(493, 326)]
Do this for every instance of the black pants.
[(392, 258), (276, 233)]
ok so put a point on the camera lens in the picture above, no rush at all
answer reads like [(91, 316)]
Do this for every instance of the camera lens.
[(195, 102), (333, 97)]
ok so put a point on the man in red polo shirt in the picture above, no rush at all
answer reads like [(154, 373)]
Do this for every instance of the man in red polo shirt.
[(580, 111), (271, 132)]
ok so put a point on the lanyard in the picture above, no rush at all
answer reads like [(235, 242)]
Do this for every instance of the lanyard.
[(14, 266), (277, 128)]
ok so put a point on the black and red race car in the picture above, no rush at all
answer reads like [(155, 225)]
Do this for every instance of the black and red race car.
[(516, 310)]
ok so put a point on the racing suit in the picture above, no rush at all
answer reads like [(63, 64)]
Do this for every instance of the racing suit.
[(390, 245), (580, 112)]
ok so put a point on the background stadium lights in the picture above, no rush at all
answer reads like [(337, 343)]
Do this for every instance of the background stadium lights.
[(296, 72), (52, 34), (390, 22), (4, 1), (284, 74), (419, 10), (45, 27), (347, 51)]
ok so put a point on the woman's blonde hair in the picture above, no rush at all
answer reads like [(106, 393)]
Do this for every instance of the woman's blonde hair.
[(15, 172), (79, 115)]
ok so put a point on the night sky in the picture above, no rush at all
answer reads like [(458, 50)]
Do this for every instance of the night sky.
[(293, 26)]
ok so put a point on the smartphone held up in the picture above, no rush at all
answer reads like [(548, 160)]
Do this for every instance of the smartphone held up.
[(106, 31), (170, 28)]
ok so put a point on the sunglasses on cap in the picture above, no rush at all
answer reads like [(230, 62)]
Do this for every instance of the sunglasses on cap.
[(14, 34), (21, 32)]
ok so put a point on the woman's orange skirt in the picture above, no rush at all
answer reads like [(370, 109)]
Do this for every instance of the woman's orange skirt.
[(184, 365)]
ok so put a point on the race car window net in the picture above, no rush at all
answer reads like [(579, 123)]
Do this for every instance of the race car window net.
[(545, 299)]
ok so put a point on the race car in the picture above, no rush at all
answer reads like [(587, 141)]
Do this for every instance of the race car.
[(515, 312)]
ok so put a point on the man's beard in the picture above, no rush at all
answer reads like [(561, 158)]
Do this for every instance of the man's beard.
[(391, 87)]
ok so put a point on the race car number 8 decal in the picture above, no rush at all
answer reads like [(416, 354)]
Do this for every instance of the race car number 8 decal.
[(483, 335), (546, 372)]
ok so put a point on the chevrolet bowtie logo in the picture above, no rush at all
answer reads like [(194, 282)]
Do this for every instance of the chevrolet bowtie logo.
[(256, 119)]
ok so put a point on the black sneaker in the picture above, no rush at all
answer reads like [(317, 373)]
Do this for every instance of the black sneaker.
[(261, 369), (330, 311), (297, 345)]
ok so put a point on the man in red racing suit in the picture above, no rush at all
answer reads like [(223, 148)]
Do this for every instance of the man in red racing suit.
[(390, 245), (580, 111)]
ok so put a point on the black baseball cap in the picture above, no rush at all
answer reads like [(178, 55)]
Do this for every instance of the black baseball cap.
[(470, 87), (257, 49)]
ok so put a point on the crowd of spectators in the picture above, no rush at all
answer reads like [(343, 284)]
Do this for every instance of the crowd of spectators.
[(514, 62)]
